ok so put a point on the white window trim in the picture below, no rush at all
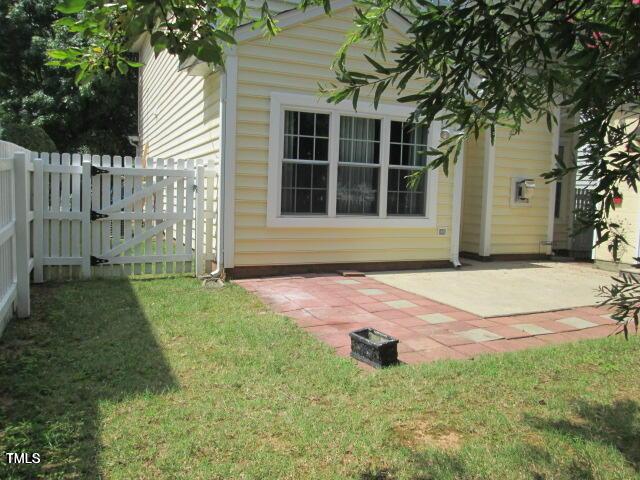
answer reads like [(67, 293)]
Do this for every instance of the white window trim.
[(385, 112)]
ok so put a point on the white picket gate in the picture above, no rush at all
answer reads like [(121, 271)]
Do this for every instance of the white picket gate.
[(112, 216), (81, 216)]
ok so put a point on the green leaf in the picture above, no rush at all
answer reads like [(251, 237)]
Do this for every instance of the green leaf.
[(228, 11), (123, 68), (58, 54), (71, 6), (224, 36)]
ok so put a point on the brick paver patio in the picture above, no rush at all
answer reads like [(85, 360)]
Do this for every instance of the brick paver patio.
[(331, 306)]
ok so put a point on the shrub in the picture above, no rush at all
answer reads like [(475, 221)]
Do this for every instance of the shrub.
[(28, 136)]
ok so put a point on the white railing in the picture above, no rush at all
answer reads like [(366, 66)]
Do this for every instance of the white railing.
[(16, 223)]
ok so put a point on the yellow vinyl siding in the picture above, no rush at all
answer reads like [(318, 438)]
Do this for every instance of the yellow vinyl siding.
[(295, 61), (627, 214), (472, 195), (521, 229), (179, 114)]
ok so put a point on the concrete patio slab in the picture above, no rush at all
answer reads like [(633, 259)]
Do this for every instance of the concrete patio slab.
[(427, 330), (490, 289)]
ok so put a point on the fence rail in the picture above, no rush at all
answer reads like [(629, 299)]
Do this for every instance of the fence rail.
[(73, 215)]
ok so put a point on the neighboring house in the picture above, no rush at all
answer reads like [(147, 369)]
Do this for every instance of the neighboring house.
[(626, 214), (310, 186)]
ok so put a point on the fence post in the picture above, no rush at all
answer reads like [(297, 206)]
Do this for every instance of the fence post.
[(86, 219), (38, 220), (199, 220), (21, 203)]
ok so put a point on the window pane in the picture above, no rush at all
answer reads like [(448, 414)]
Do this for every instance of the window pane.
[(287, 201), (307, 123), (396, 132), (402, 200), (357, 190), (322, 149), (306, 148), (408, 144), (303, 200), (395, 154), (299, 138), (291, 122), (318, 201), (288, 175), (290, 147), (320, 177), (359, 140), (322, 125), (304, 188)]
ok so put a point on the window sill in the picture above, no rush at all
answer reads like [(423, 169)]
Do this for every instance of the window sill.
[(349, 221)]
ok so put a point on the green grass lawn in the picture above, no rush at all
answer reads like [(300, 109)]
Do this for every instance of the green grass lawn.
[(162, 378)]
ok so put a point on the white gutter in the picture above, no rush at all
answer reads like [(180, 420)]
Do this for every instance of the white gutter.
[(456, 214)]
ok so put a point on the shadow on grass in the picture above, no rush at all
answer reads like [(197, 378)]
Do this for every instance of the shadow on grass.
[(540, 465), (86, 342), (608, 425), (616, 425)]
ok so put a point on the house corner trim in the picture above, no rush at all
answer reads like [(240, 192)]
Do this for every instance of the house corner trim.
[(456, 211), (229, 152), (488, 176), (555, 146)]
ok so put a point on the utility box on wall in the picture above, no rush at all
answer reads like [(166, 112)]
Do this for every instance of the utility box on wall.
[(522, 191)]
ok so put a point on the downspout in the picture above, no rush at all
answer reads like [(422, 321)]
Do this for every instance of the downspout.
[(456, 213), (217, 273)]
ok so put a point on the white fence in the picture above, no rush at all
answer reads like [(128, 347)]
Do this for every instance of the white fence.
[(17, 218), (80, 216)]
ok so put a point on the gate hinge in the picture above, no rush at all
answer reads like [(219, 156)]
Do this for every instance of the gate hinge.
[(98, 261), (96, 216), (97, 170)]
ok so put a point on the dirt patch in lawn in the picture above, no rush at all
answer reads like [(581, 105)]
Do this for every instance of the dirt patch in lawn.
[(420, 433)]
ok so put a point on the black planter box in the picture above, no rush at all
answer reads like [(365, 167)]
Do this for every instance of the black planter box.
[(374, 348)]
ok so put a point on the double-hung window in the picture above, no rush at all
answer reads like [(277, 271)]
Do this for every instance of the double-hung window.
[(332, 166), (407, 155), (305, 163), (358, 166)]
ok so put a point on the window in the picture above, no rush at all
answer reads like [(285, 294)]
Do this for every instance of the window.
[(305, 163), (332, 166), (358, 166), (407, 155)]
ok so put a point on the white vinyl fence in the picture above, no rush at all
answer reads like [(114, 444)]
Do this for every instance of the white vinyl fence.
[(17, 218), (81, 216)]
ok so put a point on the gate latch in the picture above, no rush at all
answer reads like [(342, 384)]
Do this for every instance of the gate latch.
[(97, 170), (97, 260), (96, 216)]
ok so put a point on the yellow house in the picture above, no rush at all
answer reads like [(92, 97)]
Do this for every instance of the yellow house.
[(626, 214), (311, 186)]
